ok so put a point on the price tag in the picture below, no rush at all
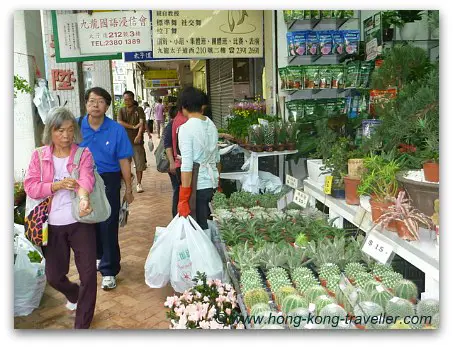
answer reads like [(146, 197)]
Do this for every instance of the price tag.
[(395, 299), (301, 198), (292, 181), (363, 219), (380, 289), (377, 249), (311, 307), (328, 185), (281, 203)]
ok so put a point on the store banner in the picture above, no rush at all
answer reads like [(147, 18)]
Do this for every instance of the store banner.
[(207, 34), (159, 84), (113, 32), (161, 74), (66, 40)]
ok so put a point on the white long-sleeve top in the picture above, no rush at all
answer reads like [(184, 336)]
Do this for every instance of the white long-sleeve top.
[(197, 140)]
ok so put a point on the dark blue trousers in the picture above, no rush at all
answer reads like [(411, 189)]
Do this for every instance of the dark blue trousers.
[(108, 248), (175, 184)]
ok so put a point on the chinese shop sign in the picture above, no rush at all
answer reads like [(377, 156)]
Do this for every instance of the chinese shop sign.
[(113, 32), (161, 74), (62, 79), (166, 84), (207, 34), (66, 40)]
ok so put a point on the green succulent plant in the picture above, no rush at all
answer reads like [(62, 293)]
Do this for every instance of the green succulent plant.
[(255, 296), (353, 269), (391, 279), (407, 290), (328, 270), (283, 292), (427, 307), (381, 298), (322, 301), (293, 302), (380, 269), (314, 292), (400, 307)]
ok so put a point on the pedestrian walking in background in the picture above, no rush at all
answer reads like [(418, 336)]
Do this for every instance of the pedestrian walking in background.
[(112, 150), (49, 175), (132, 118), (149, 120), (168, 145), (159, 116)]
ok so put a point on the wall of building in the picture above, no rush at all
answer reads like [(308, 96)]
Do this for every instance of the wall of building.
[(28, 54)]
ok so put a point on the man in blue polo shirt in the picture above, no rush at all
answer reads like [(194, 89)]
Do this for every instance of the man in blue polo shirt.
[(111, 149)]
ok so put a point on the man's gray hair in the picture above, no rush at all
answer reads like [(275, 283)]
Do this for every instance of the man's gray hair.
[(55, 119)]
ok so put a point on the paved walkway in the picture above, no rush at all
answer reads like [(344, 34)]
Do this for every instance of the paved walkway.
[(132, 305)]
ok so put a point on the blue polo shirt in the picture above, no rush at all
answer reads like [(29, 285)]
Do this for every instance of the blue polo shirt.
[(108, 144)]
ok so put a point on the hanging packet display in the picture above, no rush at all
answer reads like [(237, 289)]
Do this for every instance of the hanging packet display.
[(341, 105), (294, 77), (315, 14), (284, 82), (309, 110), (337, 72), (325, 77), (351, 41), (369, 127), (300, 42), (287, 16), (337, 42), (366, 69), (325, 42), (307, 14), (290, 44), (348, 14), (311, 77), (379, 98), (352, 74), (326, 14), (292, 108), (312, 43), (297, 14)]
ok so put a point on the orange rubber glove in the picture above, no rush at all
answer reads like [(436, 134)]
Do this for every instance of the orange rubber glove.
[(219, 188), (183, 204)]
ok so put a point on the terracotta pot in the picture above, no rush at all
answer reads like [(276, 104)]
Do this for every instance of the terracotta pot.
[(350, 187), (280, 148), (431, 171), (290, 146), (258, 148), (355, 168), (378, 209), (323, 282), (248, 146), (403, 231)]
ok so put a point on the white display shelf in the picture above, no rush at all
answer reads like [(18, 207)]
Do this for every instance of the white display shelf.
[(423, 253), (253, 168)]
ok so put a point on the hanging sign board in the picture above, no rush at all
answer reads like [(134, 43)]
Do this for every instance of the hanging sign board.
[(113, 32), (161, 74), (208, 34), (66, 40), (372, 27)]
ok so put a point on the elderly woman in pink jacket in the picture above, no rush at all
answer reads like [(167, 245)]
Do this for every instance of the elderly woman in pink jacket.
[(49, 175)]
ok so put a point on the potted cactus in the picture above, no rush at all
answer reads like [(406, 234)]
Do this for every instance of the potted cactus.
[(407, 218), (269, 136), (281, 136), (291, 130)]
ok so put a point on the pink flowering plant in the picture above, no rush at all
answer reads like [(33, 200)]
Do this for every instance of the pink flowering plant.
[(210, 304), (248, 108)]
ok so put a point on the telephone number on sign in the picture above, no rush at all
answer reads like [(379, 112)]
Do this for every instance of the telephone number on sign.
[(115, 42)]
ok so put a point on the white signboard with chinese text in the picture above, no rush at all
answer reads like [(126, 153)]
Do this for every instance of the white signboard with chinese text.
[(301, 198), (66, 40), (208, 34), (114, 32)]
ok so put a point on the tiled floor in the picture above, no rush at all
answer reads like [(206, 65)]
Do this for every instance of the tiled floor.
[(132, 305)]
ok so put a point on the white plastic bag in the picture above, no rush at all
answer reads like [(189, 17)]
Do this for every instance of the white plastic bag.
[(193, 252), (157, 265), (29, 278)]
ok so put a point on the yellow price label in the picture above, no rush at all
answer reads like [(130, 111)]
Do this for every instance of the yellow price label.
[(328, 185)]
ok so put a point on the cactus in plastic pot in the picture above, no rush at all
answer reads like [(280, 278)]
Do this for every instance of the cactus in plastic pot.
[(391, 279), (264, 318), (435, 321), (328, 270), (407, 290), (370, 287), (399, 307), (250, 279), (255, 296), (352, 270), (366, 309), (380, 269), (292, 302), (427, 307), (297, 318), (363, 278), (322, 301), (304, 283), (381, 297), (259, 308), (301, 272), (283, 292), (312, 293), (333, 310), (332, 284)]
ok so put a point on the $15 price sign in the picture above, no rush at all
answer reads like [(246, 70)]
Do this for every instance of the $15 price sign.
[(301, 198), (377, 249)]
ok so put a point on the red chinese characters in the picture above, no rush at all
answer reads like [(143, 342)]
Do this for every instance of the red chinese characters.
[(62, 79)]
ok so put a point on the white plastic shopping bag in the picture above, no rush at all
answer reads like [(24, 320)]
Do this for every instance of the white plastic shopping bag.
[(193, 252), (29, 278), (157, 265)]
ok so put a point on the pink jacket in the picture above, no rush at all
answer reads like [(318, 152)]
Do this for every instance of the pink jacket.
[(40, 190)]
